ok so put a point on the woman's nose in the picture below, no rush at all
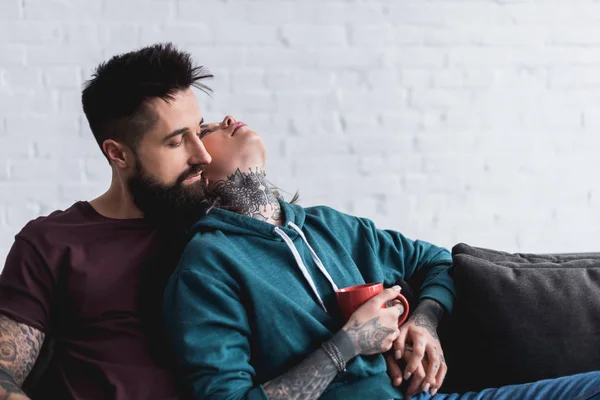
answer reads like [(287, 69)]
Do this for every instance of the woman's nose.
[(228, 121)]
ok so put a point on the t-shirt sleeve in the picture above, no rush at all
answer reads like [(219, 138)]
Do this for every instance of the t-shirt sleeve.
[(26, 286)]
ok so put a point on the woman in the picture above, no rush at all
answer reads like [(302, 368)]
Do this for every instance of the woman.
[(251, 310)]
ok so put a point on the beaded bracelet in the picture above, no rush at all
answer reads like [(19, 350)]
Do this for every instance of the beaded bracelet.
[(334, 353)]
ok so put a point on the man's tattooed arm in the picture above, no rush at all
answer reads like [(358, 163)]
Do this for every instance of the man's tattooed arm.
[(428, 314), (310, 378), (19, 348)]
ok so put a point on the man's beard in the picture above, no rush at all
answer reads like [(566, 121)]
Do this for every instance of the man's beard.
[(175, 206)]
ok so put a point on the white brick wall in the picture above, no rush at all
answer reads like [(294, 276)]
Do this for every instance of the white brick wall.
[(449, 120)]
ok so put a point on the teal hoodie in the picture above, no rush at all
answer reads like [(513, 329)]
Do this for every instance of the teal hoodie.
[(239, 311)]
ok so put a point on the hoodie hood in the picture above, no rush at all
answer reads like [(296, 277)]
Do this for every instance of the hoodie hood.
[(230, 223)]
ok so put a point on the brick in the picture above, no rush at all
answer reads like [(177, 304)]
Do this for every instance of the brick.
[(191, 11), (63, 55), (12, 54), (355, 79), (451, 14), (328, 124), (61, 10), (348, 58), (420, 57), (279, 58), (20, 193), (66, 170), (440, 98), (376, 34), (11, 147), (26, 32), (17, 78), (144, 12), (382, 79), (373, 101), (69, 101), (293, 103), (245, 34), (246, 79), (33, 126), (574, 77), (10, 10), (320, 36), (299, 79), (63, 77), (448, 78), (70, 192), (415, 78), (68, 148), (97, 170), (250, 101), (83, 33), (36, 101), (125, 33), (402, 121), (182, 34), (478, 57)]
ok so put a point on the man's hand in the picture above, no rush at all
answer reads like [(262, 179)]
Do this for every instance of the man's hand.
[(419, 345)]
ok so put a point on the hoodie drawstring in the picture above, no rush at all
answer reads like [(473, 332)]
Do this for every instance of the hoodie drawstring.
[(300, 263), (314, 255)]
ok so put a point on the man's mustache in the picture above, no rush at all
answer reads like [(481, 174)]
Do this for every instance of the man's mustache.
[(194, 170)]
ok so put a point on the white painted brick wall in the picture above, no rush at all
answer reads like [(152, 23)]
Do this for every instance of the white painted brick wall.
[(449, 120)]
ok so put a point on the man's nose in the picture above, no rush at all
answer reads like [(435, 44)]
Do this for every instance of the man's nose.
[(199, 155), (227, 121)]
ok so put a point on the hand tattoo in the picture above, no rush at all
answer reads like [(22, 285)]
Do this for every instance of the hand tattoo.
[(368, 336), (424, 322)]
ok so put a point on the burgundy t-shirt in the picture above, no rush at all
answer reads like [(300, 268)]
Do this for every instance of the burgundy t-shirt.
[(93, 284)]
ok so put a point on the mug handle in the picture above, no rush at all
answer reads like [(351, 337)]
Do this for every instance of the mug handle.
[(404, 315)]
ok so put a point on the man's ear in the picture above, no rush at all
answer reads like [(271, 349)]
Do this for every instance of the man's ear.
[(118, 153)]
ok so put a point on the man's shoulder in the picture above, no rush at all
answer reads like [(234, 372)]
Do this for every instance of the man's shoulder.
[(55, 221)]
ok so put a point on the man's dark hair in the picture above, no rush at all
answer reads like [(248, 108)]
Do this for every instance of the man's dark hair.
[(115, 98)]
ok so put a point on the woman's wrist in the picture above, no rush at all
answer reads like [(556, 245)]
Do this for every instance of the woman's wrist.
[(343, 342)]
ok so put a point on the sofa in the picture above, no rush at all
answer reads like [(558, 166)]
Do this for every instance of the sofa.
[(521, 317), (517, 318)]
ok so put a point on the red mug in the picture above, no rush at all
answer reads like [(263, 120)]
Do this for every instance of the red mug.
[(351, 298)]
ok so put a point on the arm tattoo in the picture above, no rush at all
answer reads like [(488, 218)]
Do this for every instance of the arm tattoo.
[(306, 381), (311, 377), (8, 387), (249, 194), (19, 348), (368, 336)]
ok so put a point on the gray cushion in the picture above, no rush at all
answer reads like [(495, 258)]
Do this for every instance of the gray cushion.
[(522, 317)]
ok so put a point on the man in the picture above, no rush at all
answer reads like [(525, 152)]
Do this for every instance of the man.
[(90, 277)]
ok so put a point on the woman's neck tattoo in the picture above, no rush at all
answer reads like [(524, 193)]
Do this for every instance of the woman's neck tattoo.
[(250, 194)]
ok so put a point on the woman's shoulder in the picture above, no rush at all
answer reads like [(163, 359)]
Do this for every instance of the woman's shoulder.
[(203, 251)]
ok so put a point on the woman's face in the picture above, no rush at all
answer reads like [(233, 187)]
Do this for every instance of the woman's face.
[(232, 145)]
